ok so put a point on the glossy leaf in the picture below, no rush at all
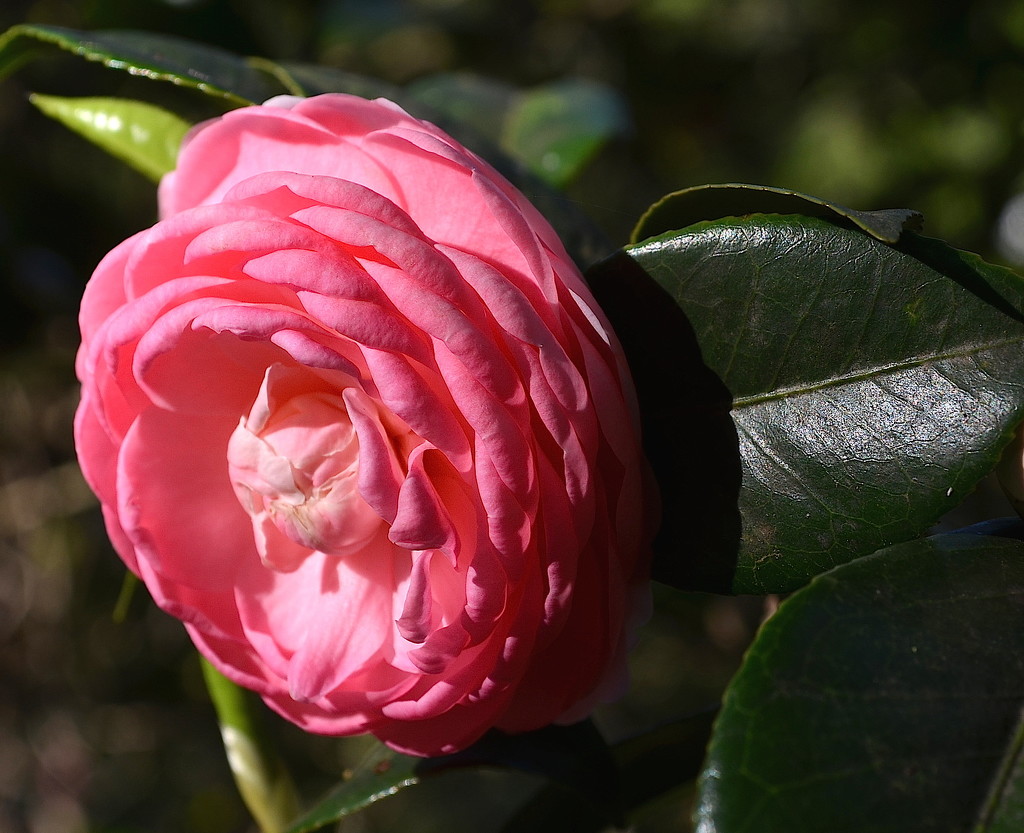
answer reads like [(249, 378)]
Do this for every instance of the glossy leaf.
[(143, 135), (213, 71), (872, 386), (383, 773), (885, 696), (711, 202), (261, 776)]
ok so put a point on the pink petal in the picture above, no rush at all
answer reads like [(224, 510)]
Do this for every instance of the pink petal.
[(250, 141), (422, 521), (175, 501), (380, 473), (420, 400), (326, 619), (414, 623)]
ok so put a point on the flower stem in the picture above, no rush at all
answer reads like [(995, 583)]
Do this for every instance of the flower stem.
[(260, 774)]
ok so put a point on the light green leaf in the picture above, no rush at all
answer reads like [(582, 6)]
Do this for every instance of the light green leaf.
[(554, 130), (557, 129), (143, 135)]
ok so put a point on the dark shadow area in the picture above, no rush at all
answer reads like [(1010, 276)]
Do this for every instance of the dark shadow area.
[(574, 758), (689, 435), (997, 528)]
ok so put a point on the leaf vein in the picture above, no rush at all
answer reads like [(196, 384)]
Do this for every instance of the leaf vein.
[(869, 373)]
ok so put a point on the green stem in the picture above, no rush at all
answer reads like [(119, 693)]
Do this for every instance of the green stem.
[(262, 778)]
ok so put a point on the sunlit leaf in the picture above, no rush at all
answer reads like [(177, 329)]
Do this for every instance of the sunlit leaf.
[(710, 202), (143, 135), (213, 71), (885, 696), (872, 387)]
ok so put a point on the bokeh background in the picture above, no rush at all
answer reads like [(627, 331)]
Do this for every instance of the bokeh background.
[(104, 724)]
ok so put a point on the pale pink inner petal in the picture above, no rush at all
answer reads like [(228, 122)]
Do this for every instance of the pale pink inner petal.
[(294, 461), (322, 622), (348, 624)]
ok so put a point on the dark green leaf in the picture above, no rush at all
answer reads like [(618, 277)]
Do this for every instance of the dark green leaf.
[(711, 202), (886, 697), (144, 136), (310, 80), (480, 103), (649, 765), (382, 774), (872, 386), (575, 757), (163, 58)]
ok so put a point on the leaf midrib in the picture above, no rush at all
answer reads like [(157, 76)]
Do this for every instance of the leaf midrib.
[(869, 373)]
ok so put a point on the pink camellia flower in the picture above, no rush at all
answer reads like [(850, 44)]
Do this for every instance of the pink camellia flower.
[(353, 416)]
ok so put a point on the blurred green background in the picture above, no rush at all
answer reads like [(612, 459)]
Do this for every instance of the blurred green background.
[(106, 726)]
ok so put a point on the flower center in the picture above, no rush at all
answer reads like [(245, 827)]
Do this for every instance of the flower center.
[(294, 465)]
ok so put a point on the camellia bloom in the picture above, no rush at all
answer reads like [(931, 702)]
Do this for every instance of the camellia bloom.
[(354, 417)]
